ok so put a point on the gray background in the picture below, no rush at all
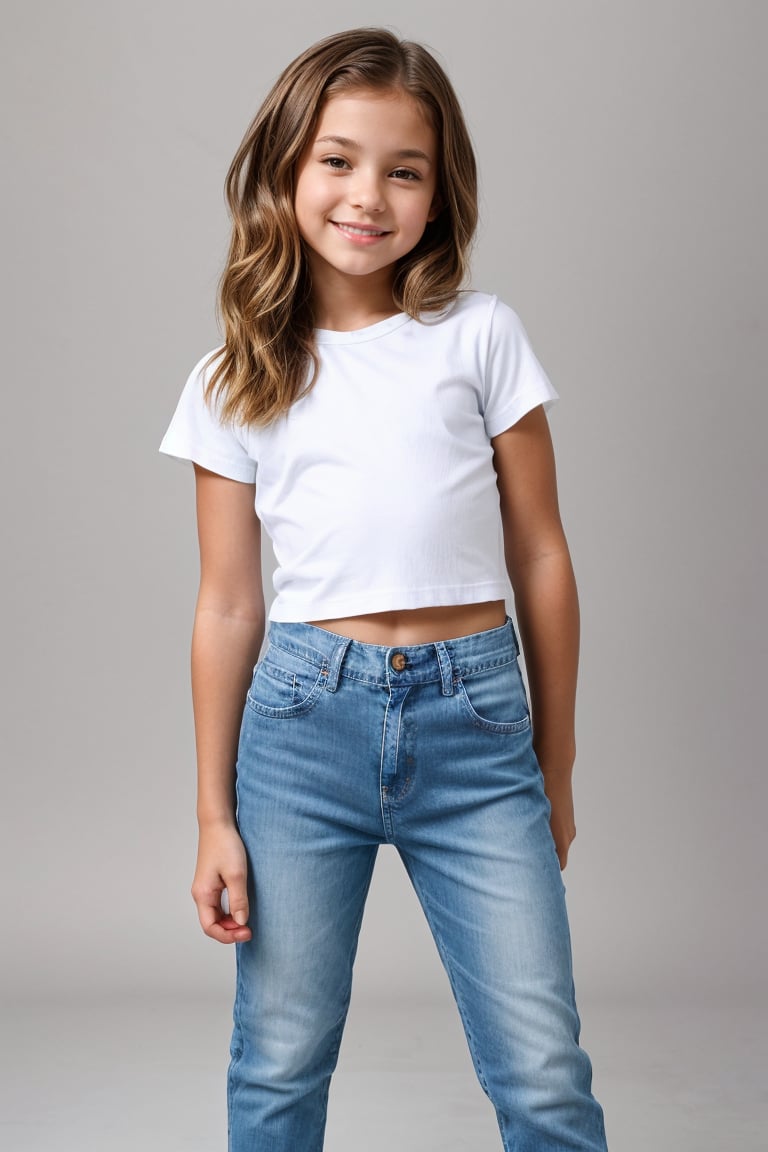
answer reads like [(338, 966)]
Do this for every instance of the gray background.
[(623, 170)]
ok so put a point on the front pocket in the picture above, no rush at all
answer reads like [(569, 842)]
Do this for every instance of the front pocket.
[(495, 698), (284, 684)]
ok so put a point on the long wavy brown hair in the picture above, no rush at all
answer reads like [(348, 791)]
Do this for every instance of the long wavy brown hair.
[(265, 291)]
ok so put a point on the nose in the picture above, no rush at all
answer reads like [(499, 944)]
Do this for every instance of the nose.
[(367, 194)]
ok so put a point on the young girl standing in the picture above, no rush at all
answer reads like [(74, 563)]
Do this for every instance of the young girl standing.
[(389, 431)]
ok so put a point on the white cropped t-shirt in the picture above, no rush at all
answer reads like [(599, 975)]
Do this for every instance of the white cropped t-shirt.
[(377, 487)]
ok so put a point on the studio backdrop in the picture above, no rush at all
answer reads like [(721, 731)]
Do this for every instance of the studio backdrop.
[(621, 150)]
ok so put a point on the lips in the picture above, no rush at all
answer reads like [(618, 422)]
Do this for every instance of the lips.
[(358, 229)]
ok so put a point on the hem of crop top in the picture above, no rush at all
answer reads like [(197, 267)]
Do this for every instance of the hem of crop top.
[(293, 611)]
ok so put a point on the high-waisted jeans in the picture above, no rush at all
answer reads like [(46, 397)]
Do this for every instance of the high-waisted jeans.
[(345, 746)]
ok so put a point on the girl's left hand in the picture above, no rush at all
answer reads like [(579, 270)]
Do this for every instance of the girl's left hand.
[(561, 821)]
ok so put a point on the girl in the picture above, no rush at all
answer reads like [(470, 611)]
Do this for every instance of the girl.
[(389, 431)]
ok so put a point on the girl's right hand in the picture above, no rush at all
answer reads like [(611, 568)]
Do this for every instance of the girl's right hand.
[(221, 863)]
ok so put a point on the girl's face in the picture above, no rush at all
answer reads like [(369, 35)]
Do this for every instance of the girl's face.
[(366, 183)]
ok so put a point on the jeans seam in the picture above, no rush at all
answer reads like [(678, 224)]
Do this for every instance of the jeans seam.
[(383, 681), (499, 727), (233, 1089), (309, 655), (485, 665), (381, 764), (289, 711)]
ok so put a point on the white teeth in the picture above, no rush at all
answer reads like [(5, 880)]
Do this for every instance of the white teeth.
[(359, 231)]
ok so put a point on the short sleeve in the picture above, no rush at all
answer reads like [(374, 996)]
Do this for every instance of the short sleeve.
[(515, 381), (196, 433)]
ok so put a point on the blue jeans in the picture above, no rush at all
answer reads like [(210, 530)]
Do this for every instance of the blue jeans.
[(345, 746)]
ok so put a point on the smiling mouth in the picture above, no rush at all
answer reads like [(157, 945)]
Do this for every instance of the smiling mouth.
[(355, 230)]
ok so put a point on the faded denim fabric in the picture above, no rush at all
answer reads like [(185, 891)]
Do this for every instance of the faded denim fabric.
[(345, 746)]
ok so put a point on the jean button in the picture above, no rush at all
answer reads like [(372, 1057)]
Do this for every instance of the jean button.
[(398, 661)]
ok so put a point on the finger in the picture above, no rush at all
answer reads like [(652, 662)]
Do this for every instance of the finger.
[(233, 930), (237, 897), (229, 935), (227, 931), (220, 925), (208, 910), (563, 850)]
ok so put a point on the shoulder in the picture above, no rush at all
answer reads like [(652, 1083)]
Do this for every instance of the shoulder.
[(461, 327), (481, 315), (195, 393), (198, 433), (202, 371), (470, 308)]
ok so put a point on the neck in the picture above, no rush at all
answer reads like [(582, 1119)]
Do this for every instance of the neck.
[(343, 303)]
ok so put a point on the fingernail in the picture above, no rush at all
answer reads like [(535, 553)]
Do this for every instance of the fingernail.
[(241, 918)]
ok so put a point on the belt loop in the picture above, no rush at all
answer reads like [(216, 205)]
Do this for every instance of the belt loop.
[(334, 666), (446, 669)]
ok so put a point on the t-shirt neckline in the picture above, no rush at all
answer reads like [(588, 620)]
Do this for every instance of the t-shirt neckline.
[(360, 335)]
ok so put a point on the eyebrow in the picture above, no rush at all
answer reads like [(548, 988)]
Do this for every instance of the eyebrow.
[(402, 154)]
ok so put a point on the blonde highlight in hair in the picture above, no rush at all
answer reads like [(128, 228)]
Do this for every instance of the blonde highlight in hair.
[(264, 298)]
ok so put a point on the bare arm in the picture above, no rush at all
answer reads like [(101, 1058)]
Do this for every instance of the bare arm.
[(226, 639), (546, 605)]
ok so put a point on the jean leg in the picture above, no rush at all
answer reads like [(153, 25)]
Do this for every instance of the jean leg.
[(474, 836), (309, 874), (293, 989)]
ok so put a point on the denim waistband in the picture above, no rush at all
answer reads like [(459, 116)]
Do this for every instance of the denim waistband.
[(397, 664)]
